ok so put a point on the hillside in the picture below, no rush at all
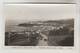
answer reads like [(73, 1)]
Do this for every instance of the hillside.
[(49, 22), (69, 21)]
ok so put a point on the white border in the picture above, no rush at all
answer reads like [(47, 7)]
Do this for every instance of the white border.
[(44, 51)]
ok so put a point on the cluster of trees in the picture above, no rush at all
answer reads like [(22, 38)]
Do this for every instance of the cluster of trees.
[(62, 39), (68, 41), (61, 32), (33, 36)]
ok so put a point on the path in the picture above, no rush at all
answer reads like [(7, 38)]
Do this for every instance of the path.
[(42, 42)]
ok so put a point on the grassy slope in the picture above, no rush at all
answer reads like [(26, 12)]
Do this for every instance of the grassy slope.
[(62, 41)]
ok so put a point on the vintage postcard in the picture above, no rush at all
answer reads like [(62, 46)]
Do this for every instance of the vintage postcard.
[(39, 26)]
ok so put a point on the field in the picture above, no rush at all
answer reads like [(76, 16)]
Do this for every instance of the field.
[(61, 41), (20, 40)]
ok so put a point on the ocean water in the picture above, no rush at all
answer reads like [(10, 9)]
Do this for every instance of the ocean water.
[(13, 25)]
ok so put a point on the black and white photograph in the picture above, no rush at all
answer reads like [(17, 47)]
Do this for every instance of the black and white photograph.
[(39, 24)]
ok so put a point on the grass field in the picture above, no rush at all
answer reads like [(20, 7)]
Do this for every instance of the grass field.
[(20, 40), (61, 40)]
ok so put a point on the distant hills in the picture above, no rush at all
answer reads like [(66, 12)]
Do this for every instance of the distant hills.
[(59, 22)]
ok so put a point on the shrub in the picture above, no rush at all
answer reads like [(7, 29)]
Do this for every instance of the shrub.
[(68, 41)]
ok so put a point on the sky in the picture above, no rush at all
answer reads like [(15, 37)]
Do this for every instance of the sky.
[(39, 11)]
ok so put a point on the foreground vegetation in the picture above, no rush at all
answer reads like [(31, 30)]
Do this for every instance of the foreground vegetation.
[(62, 37), (21, 39)]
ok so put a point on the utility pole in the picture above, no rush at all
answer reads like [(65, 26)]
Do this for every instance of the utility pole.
[(9, 37), (28, 37)]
